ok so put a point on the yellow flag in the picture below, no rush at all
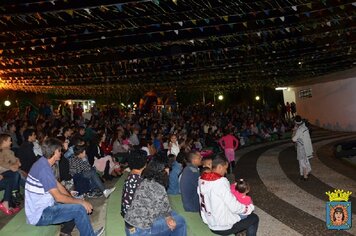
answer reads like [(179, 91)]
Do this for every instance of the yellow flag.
[(70, 12)]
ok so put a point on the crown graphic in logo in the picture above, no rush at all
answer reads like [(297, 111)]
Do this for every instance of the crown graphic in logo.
[(338, 195)]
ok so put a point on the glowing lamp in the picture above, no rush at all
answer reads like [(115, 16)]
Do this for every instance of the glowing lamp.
[(7, 103)]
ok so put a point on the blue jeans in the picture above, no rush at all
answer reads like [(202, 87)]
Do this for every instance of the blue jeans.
[(9, 183), (61, 213), (94, 180), (160, 228), (5, 184), (15, 178)]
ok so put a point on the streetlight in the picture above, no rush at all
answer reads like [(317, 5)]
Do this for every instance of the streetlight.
[(7, 103), (220, 97), (257, 98)]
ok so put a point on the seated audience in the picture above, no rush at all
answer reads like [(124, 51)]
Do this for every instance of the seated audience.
[(102, 163), (189, 183), (25, 152), (12, 132), (173, 146), (176, 170), (119, 149), (150, 212), (207, 163), (219, 208), (9, 176), (240, 189), (69, 153), (48, 202), (137, 163), (79, 167)]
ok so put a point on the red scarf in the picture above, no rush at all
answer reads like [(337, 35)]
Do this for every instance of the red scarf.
[(210, 176)]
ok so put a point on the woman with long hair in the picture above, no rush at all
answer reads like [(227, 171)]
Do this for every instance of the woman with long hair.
[(102, 163)]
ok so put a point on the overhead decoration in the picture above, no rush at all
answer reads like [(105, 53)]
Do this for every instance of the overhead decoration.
[(82, 47)]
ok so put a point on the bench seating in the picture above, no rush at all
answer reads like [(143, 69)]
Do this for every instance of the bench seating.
[(18, 226), (114, 222), (195, 225)]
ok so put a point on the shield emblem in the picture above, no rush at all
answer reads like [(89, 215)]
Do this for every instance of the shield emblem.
[(338, 215)]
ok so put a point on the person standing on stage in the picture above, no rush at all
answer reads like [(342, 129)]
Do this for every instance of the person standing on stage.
[(229, 143), (304, 146)]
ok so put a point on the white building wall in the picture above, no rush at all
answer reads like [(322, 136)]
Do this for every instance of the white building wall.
[(332, 105)]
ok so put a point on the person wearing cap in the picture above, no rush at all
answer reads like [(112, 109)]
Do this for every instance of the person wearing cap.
[(301, 138)]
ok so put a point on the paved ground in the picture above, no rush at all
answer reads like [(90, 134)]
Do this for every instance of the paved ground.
[(285, 205)]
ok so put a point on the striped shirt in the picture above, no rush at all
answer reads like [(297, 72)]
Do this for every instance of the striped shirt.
[(39, 181)]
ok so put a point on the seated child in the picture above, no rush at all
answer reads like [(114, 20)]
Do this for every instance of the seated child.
[(204, 169), (240, 190), (80, 167), (207, 163), (175, 170)]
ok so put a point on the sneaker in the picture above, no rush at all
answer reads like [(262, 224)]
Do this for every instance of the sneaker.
[(107, 192), (17, 196), (64, 234), (98, 194), (81, 197), (99, 232), (91, 195)]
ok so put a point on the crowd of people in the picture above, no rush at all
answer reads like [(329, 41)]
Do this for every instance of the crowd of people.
[(60, 160)]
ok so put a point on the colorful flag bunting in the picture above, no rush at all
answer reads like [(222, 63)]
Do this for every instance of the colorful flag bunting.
[(119, 6), (70, 12)]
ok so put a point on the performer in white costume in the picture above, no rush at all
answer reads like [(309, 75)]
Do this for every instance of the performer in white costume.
[(304, 145)]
